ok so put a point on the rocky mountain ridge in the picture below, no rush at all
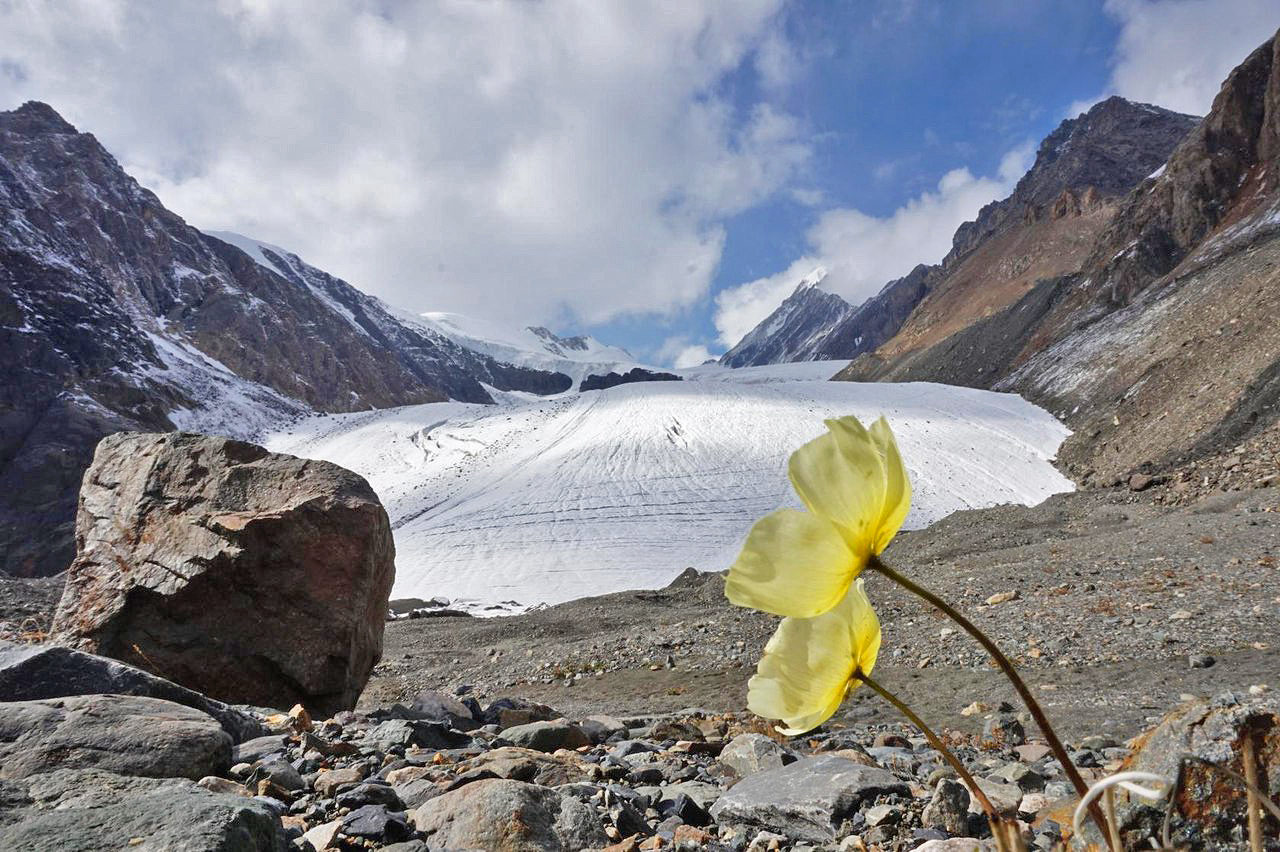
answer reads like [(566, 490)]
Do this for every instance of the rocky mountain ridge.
[(115, 314), (1164, 346), (1046, 226)]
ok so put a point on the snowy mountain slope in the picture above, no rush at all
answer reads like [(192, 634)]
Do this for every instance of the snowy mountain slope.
[(796, 330), (589, 493), (533, 347)]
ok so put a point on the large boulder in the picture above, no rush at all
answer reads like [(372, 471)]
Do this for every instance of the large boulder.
[(89, 810), (32, 672), (253, 577), (117, 733)]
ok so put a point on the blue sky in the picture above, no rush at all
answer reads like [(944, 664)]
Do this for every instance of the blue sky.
[(658, 174)]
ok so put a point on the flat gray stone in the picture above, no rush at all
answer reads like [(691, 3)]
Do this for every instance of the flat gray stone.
[(116, 733), (88, 810), (546, 736), (806, 800)]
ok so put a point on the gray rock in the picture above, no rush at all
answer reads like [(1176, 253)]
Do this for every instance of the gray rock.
[(375, 822), (253, 577), (948, 809), (1019, 773), (508, 815), (88, 810), (600, 728), (257, 748), (370, 794), (399, 734), (749, 753), (33, 672), (1005, 798), (806, 800), (117, 733), (546, 736), (439, 707), (1003, 730), (280, 772)]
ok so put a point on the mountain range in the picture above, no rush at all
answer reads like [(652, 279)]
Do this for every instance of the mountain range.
[(116, 314), (1129, 284)]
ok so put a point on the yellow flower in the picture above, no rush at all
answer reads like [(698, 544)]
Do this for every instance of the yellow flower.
[(801, 564), (808, 666)]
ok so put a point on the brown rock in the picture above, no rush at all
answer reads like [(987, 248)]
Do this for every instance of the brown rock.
[(329, 781), (252, 577), (1211, 803)]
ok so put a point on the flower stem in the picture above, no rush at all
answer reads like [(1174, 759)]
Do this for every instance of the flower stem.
[(934, 741), (1006, 665)]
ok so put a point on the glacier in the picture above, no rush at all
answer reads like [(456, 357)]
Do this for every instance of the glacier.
[(542, 500)]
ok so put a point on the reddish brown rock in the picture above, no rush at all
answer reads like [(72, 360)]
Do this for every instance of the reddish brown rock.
[(253, 577)]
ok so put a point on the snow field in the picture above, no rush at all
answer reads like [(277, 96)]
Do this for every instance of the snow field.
[(552, 499)]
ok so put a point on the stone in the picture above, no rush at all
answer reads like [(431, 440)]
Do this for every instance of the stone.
[(534, 767), (400, 734), (948, 808), (252, 577), (257, 748), (214, 784), (1201, 661), (370, 794), (1141, 482), (279, 772), (509, 712), (1211, 730), (89, 810), (684, 808), (1003, 731), (375, 822), (125, 734), (806, 800), (877, 815), (1005, 798), (955, 844), (329, 781), (1020, 774), (509, 816), (439, 707), (323, 836), (749, 753), (891, 740), (600, 728), (33, 672), (1032, 752), (546, 736)]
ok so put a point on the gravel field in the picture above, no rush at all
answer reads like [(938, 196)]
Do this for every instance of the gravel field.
[(1116, 597)]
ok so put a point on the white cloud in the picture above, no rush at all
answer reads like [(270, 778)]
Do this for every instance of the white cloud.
[(863, 253), (1176, 53), (678, 352), (533, 162)]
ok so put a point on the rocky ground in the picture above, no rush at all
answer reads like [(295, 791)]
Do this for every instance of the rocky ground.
[(1121, 606)]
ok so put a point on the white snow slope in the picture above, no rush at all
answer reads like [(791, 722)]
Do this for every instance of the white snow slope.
[(583, 494)]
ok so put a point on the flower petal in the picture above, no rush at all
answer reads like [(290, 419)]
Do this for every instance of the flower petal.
[(897, 493), (807, 666), (793, 563), (840, 476)]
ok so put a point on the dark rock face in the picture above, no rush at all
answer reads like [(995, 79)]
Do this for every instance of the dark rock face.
[(32, 672), (252, 577), (111, 308), (635, 374), (103, 732), (1081, 166)]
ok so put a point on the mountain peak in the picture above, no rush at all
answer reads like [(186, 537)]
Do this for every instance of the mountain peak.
[(35, 117)]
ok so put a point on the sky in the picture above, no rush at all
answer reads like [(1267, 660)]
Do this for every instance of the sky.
[(660, 175)]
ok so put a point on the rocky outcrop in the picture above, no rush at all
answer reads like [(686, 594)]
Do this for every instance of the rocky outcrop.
[(635, 374), (115, 314), (252, 577)]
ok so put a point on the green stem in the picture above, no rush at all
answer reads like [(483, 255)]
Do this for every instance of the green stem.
[(934, 741), (1006, 665)]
